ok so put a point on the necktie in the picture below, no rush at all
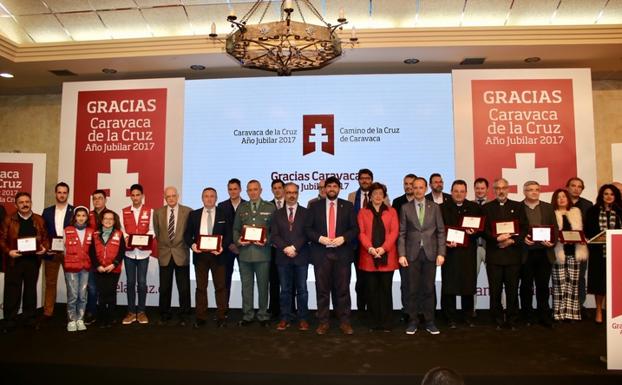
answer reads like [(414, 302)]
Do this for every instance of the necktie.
[(331, 220), (254, 206), (171, 225), (480, 201), (290, 218), (210, 226), (420, 213), (278, 204), (365, 200)]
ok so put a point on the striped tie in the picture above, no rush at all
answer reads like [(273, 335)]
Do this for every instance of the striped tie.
[(171, 225)]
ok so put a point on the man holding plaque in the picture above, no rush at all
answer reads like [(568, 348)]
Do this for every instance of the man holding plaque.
[(459, 272), (23, 239), (292, 258), (251, 234), (169, 225), (505, 230), (539, 257), (56, 218), (331, 227), (138, 230), (421, 247), (208, 235)]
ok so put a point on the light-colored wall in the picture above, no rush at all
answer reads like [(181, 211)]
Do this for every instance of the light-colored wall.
[(31, 123)]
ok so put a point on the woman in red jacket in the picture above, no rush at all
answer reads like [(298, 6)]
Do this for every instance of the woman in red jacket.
[(107, 251), (78, 239), (379, 229)]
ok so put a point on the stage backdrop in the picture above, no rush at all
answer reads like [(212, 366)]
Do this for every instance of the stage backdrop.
[(118, 133), (21, 172), (524, 125)]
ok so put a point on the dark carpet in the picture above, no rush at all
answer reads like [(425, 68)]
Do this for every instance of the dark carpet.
[(151, 354)]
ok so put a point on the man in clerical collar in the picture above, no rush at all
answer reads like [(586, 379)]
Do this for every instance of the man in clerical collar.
[(255, 252), (23, 239)]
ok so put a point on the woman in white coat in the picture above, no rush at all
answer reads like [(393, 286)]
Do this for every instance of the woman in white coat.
[(568, 257)]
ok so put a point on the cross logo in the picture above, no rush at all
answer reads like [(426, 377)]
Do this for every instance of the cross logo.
[(116, 182), (318, 134), (525, 170)]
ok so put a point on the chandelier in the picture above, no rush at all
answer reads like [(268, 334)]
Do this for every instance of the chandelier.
[(286, 45)]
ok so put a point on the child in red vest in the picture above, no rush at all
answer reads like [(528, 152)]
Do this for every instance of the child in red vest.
[(78, 239)]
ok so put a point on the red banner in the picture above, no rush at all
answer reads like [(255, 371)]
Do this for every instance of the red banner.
[(524, 129), (120, 140), (14, 177)]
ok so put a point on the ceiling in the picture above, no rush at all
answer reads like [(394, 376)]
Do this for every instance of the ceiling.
[(156, 38)]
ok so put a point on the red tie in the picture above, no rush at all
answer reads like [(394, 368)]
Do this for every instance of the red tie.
[(331, 221)]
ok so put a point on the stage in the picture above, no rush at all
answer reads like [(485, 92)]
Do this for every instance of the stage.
[(152, 354)]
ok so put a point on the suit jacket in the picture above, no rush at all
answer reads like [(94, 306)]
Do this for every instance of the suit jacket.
[(177, 248), (221, 227), (245, 216), (398, 202), (494, 212), (49, 215), (282, 236), (413, 234), (548, 218), (446, 197), (355, 198), (346, 226)]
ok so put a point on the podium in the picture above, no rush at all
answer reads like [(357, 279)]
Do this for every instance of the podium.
[(614, 299)]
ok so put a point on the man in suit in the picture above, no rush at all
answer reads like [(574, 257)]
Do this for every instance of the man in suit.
[(292, 258), (504, 253), (539, 257), (56, 218), (169, 225), (255, 255), (360, 198), (421, 247), (575, 187), (209, 220), (397, 204), (480, 187), (436, 193), (229, 208), (278, 191), (331, 228)]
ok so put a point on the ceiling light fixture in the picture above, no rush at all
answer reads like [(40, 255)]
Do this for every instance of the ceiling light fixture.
[(411, 61), (285, 45), (109, 71), (197, 67), (6, 75), (533, 59)]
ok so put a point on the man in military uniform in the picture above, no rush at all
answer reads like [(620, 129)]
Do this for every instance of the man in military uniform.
[(254, 260)]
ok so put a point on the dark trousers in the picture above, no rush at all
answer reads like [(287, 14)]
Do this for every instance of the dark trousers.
[(202, 266), (21, 273), (333, 275), (51, 268), (294, 289), (404, 287), (182, 277), (359, 286), (448, 305), (91, 298), (421, 288), (275, 289), (500, 276), (536, 268), (379, 297), (107, 294), (229, 265), (582, 282)]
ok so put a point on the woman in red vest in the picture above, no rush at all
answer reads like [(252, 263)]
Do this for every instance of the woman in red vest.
[(107, 251), (78, 239)]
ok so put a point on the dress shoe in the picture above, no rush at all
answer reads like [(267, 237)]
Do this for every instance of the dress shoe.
[(470, 323), (182, 322), (264, 323), (221, 323), (89, 319), (322, 328), (452, 325), (142, 319), (129, 319), (346, 328), (303, 326), (282, 325), (198, 323)]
